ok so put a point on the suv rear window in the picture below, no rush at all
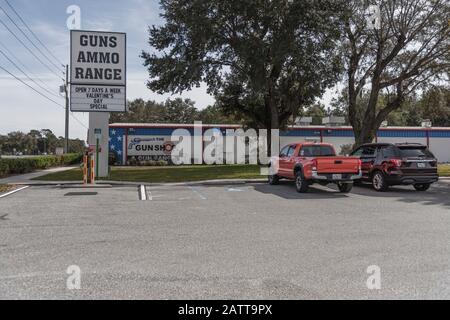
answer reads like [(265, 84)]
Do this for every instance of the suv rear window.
[(317, 151), (415, 152)]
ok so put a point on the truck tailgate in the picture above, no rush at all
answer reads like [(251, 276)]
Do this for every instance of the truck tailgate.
[(337, 165)]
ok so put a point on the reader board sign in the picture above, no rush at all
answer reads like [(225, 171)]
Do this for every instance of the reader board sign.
[(89, 98), (98, 71)]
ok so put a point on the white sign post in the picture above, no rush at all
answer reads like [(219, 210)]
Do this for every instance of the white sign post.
[(98, 84)]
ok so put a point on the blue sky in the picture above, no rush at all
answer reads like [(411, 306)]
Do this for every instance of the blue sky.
[(21, 108)]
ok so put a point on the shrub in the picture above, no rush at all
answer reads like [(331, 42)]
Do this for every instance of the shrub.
[(25, 165), (4, 168), (112, 158)]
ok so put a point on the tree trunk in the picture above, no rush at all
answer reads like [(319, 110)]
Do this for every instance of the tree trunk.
[(274, 124), (366, 135)]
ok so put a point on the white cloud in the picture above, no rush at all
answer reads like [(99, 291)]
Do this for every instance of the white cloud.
[(137, 88), (22, 109)]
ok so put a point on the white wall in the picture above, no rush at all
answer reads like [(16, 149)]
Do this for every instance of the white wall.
[(440, 148), (100, 120)]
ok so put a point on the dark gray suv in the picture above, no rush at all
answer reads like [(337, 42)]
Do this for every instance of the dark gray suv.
[(386, 164)]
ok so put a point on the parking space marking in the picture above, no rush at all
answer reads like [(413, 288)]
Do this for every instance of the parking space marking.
[(12, 192), (200, 195), (142, 193), (229, 189)]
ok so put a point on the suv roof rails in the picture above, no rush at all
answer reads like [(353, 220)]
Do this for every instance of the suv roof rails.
[(409, 143)]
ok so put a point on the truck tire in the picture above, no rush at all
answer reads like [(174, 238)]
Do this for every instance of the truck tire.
[(422, 186), (379, 182), (273, 179), (345, 187), (301, 184)]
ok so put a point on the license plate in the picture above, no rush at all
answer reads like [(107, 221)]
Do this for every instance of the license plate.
[(421, 165), (337, 176)]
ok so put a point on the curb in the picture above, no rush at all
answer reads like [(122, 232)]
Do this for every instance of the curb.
[(109, 184)]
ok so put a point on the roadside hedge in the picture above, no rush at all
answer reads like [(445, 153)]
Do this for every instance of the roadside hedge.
[(26, 165)]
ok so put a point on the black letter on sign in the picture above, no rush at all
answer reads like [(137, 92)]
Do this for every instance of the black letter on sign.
[(83, 40), (81, 57), (117, 74), (78, 73), (113, 42)]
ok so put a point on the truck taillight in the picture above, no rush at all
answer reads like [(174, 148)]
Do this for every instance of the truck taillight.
[(396, 162), (314, 165)]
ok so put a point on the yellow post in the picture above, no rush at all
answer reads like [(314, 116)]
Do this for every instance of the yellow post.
[(92, 171), (85, 164)]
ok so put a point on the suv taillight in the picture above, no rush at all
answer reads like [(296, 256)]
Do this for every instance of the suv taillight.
[(359, 164), (396, 162)]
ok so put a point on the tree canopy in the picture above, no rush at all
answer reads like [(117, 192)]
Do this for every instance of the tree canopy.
[(406, 50), (262, 59), (171, 111), (36, 142)]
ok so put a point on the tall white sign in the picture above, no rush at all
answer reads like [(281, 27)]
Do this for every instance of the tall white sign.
[(98, 71)]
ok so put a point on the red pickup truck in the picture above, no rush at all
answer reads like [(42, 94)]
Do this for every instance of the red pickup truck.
[(309, 163)]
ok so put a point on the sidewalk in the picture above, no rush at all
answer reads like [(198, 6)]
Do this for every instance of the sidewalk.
[(26, 178)]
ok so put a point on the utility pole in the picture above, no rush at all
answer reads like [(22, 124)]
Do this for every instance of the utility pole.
[(66, 90)]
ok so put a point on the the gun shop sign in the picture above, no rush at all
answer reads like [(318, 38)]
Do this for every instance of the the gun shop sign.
[(150, 147)]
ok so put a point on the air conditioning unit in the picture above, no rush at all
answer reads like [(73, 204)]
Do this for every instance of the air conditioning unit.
[(333, 121), (303, 121), (426, 123)]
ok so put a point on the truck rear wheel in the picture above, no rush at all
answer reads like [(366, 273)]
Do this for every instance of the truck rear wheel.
[(300, 183), (345, 187)]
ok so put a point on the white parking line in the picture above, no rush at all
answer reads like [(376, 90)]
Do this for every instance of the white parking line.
[(201, 196), (142, 193), (14, 191)]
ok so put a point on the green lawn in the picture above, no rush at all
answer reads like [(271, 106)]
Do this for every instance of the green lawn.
[(444, 170), (165, 174)]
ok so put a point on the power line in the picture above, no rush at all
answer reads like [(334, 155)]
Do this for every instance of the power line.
[(37, 91), (31, 31), (43, 95), (26, 75), (29, 50), (23, 65), (31, 41)]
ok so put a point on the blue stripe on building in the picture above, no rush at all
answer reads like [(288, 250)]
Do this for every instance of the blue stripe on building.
[(117, 134)]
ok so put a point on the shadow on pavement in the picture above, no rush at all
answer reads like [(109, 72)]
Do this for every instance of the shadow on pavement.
[(438, 194), (286, 190)]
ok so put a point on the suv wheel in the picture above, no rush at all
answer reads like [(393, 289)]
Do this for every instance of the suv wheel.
[(345, 187), (273, 179), (422, 186), (379, 182), (300, 183)]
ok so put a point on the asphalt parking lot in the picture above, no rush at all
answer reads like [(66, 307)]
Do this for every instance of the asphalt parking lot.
[(251, 241)]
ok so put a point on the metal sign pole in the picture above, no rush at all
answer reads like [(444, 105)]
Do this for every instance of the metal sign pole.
[(96, 157)]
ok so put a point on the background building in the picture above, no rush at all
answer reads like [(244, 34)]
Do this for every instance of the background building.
[(137, 141)]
